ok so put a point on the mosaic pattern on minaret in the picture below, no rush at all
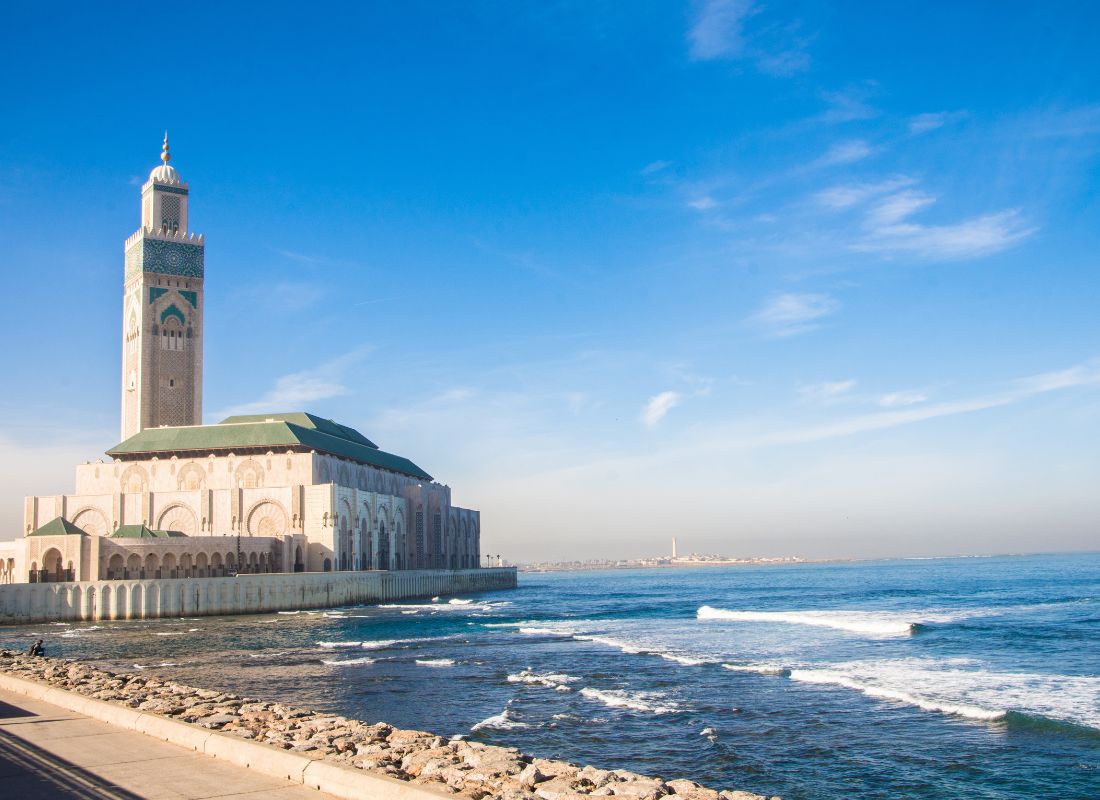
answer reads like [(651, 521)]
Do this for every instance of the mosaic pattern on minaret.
[(162, 309)]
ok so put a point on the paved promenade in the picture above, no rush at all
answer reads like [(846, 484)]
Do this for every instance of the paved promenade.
[(46, 751)]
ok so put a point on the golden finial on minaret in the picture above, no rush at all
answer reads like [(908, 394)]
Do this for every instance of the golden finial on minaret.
[(165, 156)]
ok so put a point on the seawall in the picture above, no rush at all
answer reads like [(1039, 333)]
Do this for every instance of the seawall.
[(89, 601), (340, 756)]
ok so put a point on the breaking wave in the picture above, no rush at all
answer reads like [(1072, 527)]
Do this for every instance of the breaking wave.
[(956, 687), (347, 662), (544, 632), (652, 702), (502, 721), (759, 669), (551, 680), (874, 623), (882, 693), (436, 662), (630, 648)]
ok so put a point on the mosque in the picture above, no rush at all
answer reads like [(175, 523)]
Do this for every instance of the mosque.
[(279, 492)]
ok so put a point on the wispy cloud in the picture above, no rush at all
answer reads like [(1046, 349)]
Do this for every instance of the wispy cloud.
[(903, 398), (301, 258), (845, 196), (1085, 374), (923, 123), (888, 227), (704, 203), (890, 232), (896, 207), (288, 295), (790, 314), (846, 106), (654, 167), (296, 390), (834, 392), (845, 153), (1063, 122), (827, 392), (718, 31), (658, 406)]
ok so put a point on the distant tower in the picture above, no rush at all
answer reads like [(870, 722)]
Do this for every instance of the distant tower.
[(162, 310), (674, 547)]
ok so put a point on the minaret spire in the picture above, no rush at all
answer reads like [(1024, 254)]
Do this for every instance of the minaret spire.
[(165, 156)]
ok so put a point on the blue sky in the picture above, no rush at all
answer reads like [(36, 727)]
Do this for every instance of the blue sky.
[(775, 278)]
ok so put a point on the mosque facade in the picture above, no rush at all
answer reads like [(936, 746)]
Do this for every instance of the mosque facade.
[(278, 492)]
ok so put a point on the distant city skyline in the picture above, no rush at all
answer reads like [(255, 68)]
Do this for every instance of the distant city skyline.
[(774, 279)]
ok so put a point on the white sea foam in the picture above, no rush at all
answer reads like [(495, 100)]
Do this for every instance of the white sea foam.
[(347, 662), (961, 687), (882, 693), (759, 669), (502, 721), (874, 623), (380, 644), (551, 680), (334, 645), (451, 605), (76, 633), (630, 648), (162, 664), (172, 633), (436, 662), (687, 661), (288, 613), (652, 702), (544, 632)]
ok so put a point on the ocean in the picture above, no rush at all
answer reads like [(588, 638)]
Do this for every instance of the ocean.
[(937, 678)]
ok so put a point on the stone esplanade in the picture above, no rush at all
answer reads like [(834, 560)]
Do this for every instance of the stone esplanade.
[(278, 492)]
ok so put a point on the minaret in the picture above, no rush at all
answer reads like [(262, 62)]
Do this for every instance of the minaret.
[(674, 547), (162, 310)]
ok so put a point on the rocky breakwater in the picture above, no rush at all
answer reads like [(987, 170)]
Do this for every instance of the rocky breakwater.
[(466, 769)]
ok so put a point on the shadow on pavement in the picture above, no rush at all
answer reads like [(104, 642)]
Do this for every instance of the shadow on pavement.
[(28, 771)]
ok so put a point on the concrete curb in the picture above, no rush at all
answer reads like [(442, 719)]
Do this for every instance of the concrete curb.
[(334, 779)]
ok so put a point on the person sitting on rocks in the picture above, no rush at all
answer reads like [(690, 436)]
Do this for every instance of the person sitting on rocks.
[(36, 649)]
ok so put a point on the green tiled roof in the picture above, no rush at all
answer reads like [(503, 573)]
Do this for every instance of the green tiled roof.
[(304, 419), (58, 526), (142, 532), (270, 431)]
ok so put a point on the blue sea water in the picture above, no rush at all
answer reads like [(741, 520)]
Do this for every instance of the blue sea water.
[(975, 678)]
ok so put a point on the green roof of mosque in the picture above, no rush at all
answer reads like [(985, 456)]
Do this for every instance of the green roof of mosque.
[(304, 419), (142, 532), (58, 526), (272, 431)]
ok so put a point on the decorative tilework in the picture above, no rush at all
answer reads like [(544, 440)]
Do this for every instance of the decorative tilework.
[(133, 261), (172, 311), (155, 292), (191, 297), (172, 258), (163, 187)]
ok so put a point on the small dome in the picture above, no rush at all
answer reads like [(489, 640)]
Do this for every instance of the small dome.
[(165, 173)]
